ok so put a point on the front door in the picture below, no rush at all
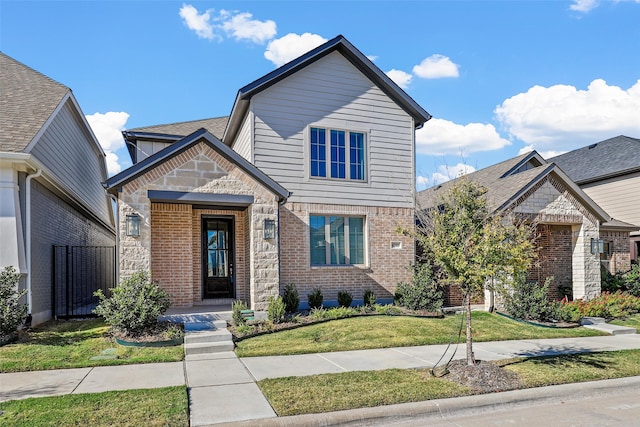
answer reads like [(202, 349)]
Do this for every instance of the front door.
[(217, 258)]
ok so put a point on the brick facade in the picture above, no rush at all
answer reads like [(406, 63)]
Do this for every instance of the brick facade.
[(619, 257), (386, 266), (554, 252)]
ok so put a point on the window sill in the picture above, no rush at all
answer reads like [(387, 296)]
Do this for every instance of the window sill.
[(342, 267)]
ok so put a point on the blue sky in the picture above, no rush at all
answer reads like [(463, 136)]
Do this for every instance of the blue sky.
[(499, 77)]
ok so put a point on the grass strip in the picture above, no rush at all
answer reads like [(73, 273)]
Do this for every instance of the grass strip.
[(154, 407), (351, 390), (334, 392), (366, 332), (70, 344), (631, 322)]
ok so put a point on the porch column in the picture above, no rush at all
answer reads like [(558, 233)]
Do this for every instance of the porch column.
[(586, 266)]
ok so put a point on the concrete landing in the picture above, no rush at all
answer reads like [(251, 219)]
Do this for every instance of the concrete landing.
[(599, 324)]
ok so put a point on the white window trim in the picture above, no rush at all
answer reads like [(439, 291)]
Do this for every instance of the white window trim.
[(327, 239), (328, 128)]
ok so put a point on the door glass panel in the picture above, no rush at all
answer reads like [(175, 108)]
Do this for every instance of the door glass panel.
[(218, 249)]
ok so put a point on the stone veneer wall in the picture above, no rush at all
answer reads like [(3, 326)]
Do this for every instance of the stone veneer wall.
[(620, 256), (197, 169), (549, 202), (386, 266)]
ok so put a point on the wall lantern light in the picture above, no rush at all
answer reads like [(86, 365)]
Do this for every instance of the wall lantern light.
[(269, 229), (597, 246), (133, 225)]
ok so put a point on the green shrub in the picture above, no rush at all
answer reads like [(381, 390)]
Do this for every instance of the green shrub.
[(388, 310), (291, 298), (607, 305), (276, 309), (530, 301), (315, 298), (626, 282), (134, 306), (344, 299), (236, 312), (423, 293), (632, 280), (12, 313), (368, 298)]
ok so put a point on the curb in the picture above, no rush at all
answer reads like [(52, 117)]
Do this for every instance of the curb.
[(443, 409)]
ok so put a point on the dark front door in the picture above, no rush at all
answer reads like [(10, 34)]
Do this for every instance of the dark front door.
[(217, 258)]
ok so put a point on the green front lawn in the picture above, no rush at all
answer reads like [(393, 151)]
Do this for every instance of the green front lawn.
[(367, 332), (333, 392), (631, 321), (154, 407), (70, 344)]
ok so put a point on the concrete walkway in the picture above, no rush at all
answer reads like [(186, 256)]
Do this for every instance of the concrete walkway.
[(222, 387)]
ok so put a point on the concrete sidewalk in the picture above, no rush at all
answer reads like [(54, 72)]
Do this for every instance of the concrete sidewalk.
[(222, 387)]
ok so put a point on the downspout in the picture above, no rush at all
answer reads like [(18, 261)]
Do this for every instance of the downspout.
[(28, 239)]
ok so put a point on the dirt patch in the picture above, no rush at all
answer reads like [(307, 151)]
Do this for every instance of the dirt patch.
[(483, 377), (163, 331)]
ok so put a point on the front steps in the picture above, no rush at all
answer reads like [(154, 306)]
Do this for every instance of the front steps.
[(599, 324), (205, 336)]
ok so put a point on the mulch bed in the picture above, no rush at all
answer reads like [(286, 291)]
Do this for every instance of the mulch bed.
[(483, 377), (161, 332)]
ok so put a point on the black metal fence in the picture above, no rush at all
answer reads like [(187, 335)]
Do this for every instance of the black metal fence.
[(79, 271)]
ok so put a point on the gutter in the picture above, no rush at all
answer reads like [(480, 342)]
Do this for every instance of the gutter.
[(28, 237)]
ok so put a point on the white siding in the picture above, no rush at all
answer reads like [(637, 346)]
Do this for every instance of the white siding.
[(146, 149), (66, 149), (619, 197), (242, 144), (332, 93)]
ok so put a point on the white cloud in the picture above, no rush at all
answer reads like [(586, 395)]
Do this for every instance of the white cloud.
[(545, 154), (239, 25), (401, 78), (198, 22), (282, 50), (562, 117), (446, 173), (583, 6), (242, 27), (439, 137), (107, 128), (436, 67), (372, 58)]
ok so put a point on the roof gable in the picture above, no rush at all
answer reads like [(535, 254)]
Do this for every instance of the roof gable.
[(201, 135), (29, 99), (353, 55), (605, 159)]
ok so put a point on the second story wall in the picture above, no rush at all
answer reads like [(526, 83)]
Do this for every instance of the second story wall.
[(619, 197), (332, 94)]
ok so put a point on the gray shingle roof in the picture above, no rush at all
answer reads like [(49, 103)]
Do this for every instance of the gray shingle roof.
[(214, 125), (608, 158), (28, 99)]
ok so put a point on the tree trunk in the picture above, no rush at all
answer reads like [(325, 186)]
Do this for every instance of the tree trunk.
[(470, 359)]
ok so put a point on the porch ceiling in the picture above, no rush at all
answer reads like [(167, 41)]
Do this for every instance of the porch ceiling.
[(204, 199)]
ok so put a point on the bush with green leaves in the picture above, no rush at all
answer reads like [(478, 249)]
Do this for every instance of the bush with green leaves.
[(369, 298), (291, 298), (134, 306), (625, 282), (422, 293), (608, 305), (275, 309), (344, 299), (236, 312), (529, 300), (632, 280), (315, 298), (12, 313)]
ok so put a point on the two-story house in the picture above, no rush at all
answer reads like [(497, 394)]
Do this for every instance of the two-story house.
[(306, 182)]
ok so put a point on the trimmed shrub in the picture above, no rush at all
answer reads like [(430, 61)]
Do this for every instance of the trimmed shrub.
[(530, 301), (632, 280), (275, 309), (291, 298), (344, 299), (607, 305), (236, 312), (315, 298), (369, 298), (423, 293), (134, 306), (12, 313)]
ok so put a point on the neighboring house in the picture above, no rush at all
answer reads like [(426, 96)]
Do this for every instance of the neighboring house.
[(306, 182), (569, 222), (609, 172), (51, 169)]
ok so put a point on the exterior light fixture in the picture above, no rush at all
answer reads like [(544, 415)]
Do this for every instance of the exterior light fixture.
[(133, 225), (597, 246), (269, 229)]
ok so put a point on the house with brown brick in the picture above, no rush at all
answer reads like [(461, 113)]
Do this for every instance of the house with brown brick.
[(609, 172), (306, 182), (570, 225)]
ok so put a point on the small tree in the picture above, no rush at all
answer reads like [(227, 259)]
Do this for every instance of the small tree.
[(470, 244), (12, 313)]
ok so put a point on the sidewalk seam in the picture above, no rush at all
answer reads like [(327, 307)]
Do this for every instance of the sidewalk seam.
[(332, 362)]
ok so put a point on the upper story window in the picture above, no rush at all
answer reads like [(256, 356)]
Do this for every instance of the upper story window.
[(343, 153)]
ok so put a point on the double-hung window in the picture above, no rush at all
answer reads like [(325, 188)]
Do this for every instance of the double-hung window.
[(337, 240), (337, 154)]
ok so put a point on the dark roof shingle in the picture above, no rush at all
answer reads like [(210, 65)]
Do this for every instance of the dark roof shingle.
[(28, 100), (214, 125)]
